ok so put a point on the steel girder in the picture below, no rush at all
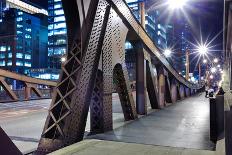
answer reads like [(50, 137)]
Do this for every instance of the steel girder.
[(97, 31)]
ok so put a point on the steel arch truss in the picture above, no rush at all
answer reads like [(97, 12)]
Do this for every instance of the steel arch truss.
[(97, 31)]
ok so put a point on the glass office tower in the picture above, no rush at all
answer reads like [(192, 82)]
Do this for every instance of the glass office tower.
[(57, 39)]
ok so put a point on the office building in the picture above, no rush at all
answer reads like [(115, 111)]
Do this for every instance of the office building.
[(23, 43), (57, 39)]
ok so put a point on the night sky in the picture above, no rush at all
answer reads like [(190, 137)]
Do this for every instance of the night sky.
[(207, 15)]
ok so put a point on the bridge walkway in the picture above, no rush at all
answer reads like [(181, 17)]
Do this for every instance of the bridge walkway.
[(179, 129), (184, 124)]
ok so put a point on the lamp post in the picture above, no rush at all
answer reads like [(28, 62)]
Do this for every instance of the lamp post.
[(142, 13), (187, 65)]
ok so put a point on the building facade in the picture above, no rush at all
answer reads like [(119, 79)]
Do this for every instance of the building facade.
[(57, 39), (23, 43)]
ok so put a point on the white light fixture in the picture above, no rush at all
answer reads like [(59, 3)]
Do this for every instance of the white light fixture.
[(176, 4), (215, 60), (213, 70), (63, 59), (218, 66), (167, 52), (202, 50), (211, 77), (204, 61)]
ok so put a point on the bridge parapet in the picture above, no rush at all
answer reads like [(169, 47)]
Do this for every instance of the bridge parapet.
[(31, 85)]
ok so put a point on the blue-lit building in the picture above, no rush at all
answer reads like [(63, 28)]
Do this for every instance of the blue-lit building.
[(57, 39), (179, 38), (23, 43), (155, 28)]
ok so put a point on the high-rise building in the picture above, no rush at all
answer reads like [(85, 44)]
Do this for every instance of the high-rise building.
[(155, 28), (23, 43), (178, 39), (21, 5), (57, 39)]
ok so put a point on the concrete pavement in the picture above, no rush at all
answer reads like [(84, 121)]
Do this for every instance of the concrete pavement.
[(184, 124), (24, 121), (99, 147)]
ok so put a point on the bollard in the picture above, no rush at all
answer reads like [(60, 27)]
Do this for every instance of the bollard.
[(220, 116), (228, 129), (213, 122)]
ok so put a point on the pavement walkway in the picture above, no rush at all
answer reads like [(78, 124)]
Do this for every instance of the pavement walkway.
[(184, 124), (102, 147), (180, 129)]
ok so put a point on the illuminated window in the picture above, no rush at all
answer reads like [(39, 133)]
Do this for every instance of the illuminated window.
[(19, 32), (2, 55), (9, 63), (19, 55), (50, 33), (19, 19), (59, 12), (50, 27), (60, 41), (57, 0), (59, 19), (56, 6), (19, 26), (2, 63), (19, 63), (27, 56), (27, 64), (60, 25), (57, 32), (2, 48), (20, 13), (9, 55), (27, 36), (59, 51), (28, 29), (8, 48), (128, 45)]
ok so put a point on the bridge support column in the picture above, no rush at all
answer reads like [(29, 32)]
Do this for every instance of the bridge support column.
[(187, 91), (8, 89), (182, 91), (141, 101), (29, 88), (161, 89), (168, 94), (174, 91), (152, 85)]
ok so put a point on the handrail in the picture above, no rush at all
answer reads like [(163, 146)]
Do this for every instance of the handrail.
[(16, 76)]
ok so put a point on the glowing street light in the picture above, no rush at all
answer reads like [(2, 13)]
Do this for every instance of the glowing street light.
[(202, 49), (211, 77), (215, 60), (63, 59), (204, 61), (218, 66), (213, 70), (176, 4), (167, 52)]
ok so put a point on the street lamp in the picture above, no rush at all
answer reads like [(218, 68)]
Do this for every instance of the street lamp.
[(218, 66), (167, 52), (63, 59), (211, 77), (215, 60), (204, 61), (213, 70), (176, 4), (202, 50)]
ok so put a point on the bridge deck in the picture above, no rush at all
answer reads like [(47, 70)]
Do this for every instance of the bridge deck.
[(184, 124)]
